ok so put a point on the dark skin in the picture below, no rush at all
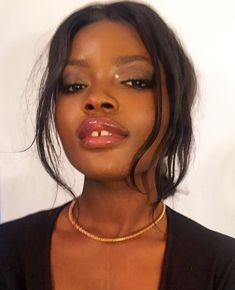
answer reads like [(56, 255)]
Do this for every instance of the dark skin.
[(98, 72)]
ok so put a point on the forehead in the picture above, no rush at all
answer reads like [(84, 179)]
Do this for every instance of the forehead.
[(106, 38)]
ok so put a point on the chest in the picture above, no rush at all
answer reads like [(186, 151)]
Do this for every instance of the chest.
[(99, 266)]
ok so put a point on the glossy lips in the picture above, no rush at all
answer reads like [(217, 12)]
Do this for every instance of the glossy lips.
[(115, 133)]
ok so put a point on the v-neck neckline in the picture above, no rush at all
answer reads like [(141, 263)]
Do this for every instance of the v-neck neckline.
[(47, 274)]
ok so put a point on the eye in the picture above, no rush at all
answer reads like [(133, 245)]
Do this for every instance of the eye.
[(72, 88), (139, 83)]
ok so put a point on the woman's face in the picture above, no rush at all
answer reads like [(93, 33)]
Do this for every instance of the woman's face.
[(107, 82)]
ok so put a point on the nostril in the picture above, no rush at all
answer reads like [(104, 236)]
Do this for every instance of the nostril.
[(89, 107), (103, 105), (107, 105)]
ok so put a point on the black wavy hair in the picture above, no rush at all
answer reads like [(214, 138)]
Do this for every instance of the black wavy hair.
[(163, 46)]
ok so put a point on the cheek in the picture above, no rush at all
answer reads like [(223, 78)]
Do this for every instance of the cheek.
[(142, 117), (67, 119), (149, 157)]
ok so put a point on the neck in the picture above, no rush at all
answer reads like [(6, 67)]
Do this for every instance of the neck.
[(112, 208)]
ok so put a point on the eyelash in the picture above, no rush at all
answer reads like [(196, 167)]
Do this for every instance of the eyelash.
[(137, 84), (72, 88)]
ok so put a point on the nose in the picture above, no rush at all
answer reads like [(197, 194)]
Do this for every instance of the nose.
[(100, 103)]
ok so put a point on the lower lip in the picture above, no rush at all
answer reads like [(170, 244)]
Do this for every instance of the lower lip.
[(101, 141)]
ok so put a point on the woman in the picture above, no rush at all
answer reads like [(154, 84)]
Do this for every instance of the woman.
[(119, 89)]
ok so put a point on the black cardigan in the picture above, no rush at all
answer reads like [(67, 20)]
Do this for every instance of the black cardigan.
[(196, 258)]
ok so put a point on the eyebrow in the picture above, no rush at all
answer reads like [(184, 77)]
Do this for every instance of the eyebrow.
[(78, 62), (131, 58), (117, 61)]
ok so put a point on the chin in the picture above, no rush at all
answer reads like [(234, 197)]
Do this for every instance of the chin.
[(102, 172), (105, 177)]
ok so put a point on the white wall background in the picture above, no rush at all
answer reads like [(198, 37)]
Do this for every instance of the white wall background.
[(207, 30)]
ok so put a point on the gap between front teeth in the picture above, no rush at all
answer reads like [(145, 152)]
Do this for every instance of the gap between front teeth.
[(102, 133)]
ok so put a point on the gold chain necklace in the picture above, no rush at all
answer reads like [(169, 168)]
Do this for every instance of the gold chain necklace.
[(112, 240)]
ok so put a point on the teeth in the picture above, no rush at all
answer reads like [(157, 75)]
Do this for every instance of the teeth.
[(105, 133), (102, 133), (94, 133)]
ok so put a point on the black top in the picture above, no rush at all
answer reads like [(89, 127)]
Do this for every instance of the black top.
[(195, 259)]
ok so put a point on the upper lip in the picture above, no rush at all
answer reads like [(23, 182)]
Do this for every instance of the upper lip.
[(98, 124)]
